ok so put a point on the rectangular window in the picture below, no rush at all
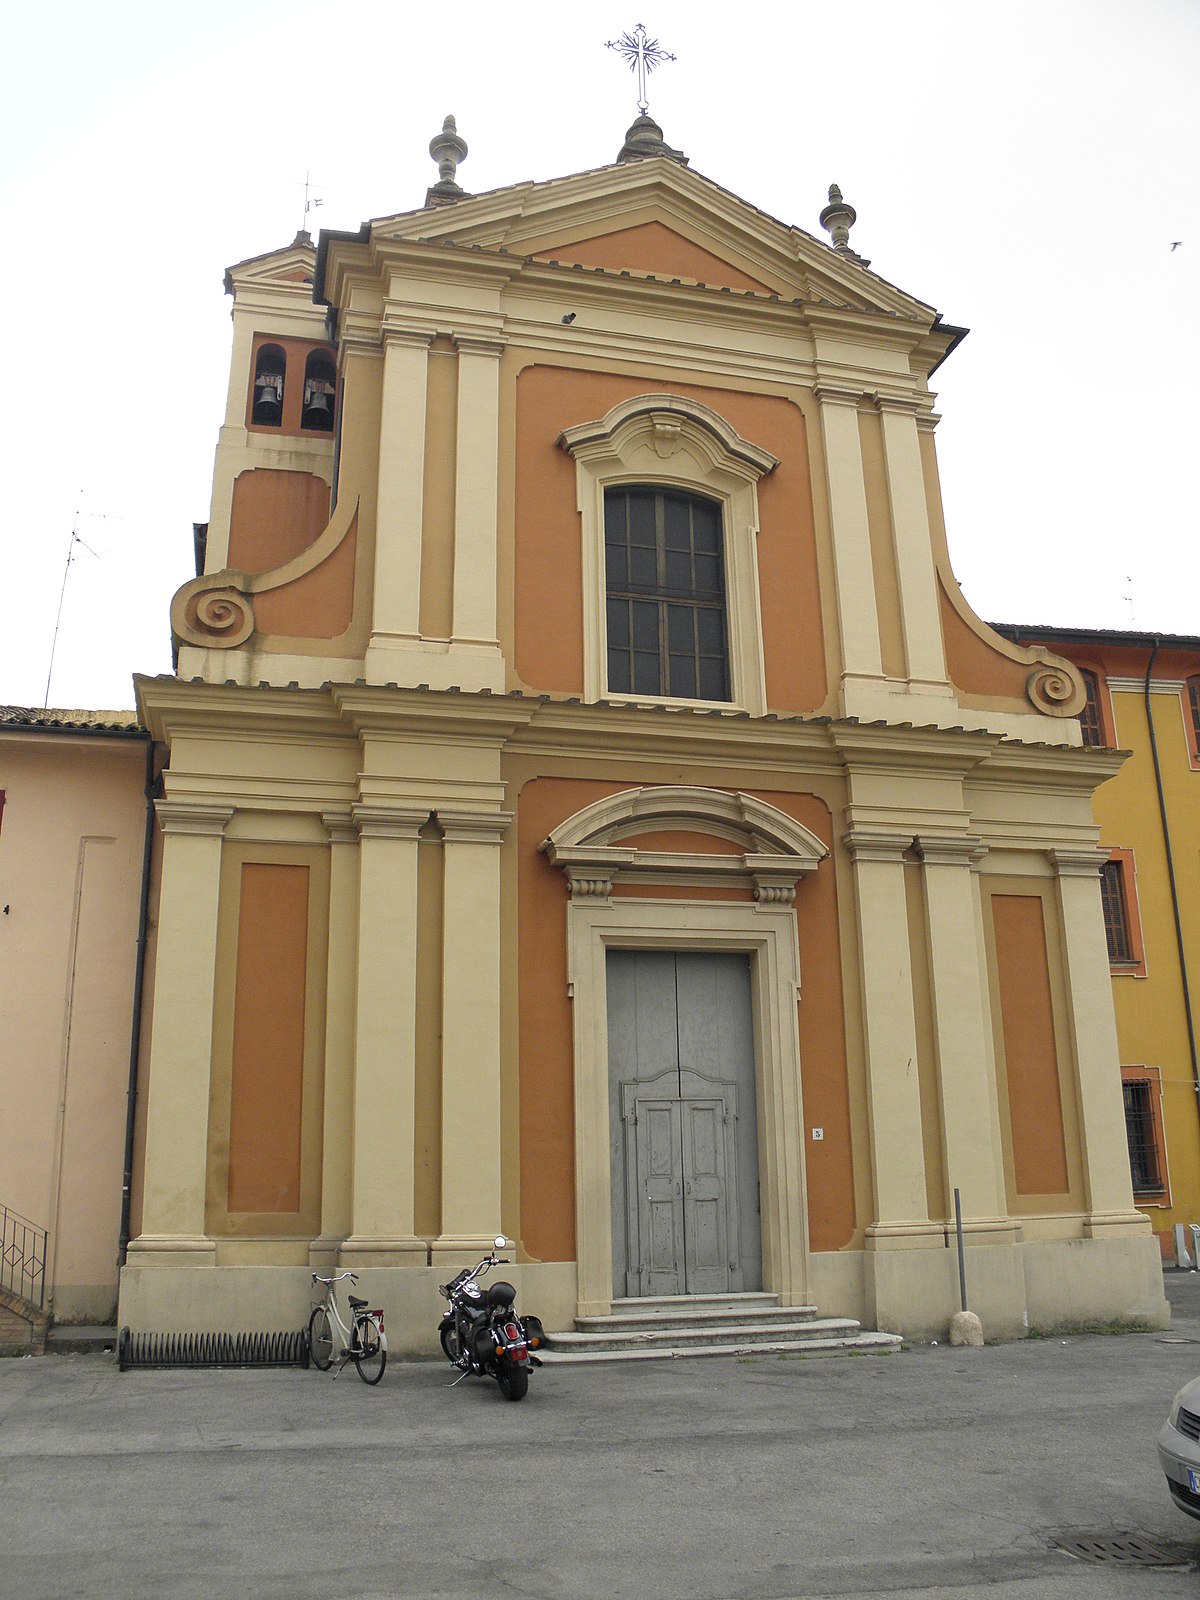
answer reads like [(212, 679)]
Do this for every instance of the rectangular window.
[(1121, 924), (665, 585), (1090, 719), (1142, 1090), (1193, 717)]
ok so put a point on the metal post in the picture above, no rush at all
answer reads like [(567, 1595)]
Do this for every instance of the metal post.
[(962, 1260)]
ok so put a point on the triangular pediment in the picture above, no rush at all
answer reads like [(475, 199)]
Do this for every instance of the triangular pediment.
[(656, 218), (290, 268)]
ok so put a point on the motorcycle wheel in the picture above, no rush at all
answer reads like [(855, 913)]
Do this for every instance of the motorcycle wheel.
[(513, 1381), (448, 1334), (320, 1339)]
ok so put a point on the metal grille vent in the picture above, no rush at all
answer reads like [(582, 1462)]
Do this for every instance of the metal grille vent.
[(1123, 1549), (212, 1349), (1188, 1423)]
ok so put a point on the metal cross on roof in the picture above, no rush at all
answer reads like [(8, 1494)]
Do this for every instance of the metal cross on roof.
[(643, 55)]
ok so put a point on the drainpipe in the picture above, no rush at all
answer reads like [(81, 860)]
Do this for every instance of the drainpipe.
[(152, 787), (1166, 830)]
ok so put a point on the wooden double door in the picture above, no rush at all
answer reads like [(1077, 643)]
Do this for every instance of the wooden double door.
[(683, 1123)]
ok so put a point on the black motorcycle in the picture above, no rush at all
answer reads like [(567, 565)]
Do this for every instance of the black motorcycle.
[(481, 1332)]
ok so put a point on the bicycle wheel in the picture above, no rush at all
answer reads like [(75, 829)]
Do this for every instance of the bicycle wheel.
[(320, 1339), (370, 1356)]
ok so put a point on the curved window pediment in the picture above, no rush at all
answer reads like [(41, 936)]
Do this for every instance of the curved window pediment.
[(667, 494)]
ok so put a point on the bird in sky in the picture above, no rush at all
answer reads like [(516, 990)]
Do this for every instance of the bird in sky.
[(1176, 243)]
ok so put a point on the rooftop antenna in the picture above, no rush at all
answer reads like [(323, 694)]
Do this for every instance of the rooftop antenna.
[(311, 202), (71, 543), (643, 54)]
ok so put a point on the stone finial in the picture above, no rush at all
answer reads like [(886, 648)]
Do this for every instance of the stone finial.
[(447, 149), (645, 138), (837, 219)]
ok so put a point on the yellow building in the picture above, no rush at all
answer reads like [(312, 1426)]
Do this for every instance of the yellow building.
[(1144, 697), (592, 811), (73, 843)]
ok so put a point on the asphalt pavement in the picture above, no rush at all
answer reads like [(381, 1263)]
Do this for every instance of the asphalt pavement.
[(930, 1473)]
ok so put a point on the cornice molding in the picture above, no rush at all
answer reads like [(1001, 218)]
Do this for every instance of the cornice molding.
[(945, 850), (1070, 862), (389, 822), (186, 816), (474, 827), (877, 844)]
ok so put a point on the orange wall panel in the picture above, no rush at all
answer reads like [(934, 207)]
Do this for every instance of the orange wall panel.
[(275, 517), (1030, 1052), (652, 247), (268, 1039)]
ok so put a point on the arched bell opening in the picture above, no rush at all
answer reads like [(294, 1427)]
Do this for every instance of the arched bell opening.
[(320, 387), (270, 375)]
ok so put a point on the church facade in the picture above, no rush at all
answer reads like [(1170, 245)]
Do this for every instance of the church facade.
[(592, 811)]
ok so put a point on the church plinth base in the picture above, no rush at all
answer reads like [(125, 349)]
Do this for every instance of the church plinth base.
[(405, 1251)]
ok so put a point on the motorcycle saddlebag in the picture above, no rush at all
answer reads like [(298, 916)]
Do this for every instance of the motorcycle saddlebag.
[(533, 1330)]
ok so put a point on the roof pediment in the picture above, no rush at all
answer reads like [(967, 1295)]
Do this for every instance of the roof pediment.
[(291, 268), (651, 218)]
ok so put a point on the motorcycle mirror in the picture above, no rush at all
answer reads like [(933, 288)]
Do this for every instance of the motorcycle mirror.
[(501, 1241)]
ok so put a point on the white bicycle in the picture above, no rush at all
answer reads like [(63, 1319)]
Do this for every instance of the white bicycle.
[(364, 1342)]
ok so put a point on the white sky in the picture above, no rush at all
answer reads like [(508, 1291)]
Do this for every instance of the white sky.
[(1022, 166)]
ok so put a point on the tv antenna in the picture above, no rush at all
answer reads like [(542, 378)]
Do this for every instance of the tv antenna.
[(311, 202), (71, 543)]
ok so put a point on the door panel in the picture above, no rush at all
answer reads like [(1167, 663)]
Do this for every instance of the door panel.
[(682, 1118)]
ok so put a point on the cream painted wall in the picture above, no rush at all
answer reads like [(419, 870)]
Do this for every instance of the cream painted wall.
[(71, 840)]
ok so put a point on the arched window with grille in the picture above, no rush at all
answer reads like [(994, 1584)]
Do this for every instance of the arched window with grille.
[(1191, 711), (665, 594), (320, 384), (270, 376)]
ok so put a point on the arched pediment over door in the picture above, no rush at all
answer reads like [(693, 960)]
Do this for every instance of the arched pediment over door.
[(603, 843)]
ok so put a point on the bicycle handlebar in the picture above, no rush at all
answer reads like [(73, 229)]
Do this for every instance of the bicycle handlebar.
[(337, 1277)]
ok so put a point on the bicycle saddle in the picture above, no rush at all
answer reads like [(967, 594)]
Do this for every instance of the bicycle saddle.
[(356, 1302)]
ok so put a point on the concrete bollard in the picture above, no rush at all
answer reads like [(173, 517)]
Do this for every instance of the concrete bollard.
[(966, 1329)]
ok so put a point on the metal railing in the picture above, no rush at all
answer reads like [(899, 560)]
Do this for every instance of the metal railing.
[(22, 1257)]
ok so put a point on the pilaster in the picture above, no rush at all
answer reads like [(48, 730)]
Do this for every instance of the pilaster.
[(476, 491), (966, 1083), (1096, 1054), (337, 1140), (919, 612), (858, 618), (471, 1136), (890, 1033), (401, 503), (382, 1183), (173, 1206)]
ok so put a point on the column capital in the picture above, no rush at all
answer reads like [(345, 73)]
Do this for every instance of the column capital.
[(186, 816), (479, 344), (411, 338), (874, 844), (836, 394), (474, 827), (901, 405), (950, 850), (389, 822), (1072, 861), (341, 826)]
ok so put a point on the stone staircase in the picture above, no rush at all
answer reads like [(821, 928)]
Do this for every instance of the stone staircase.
[(711, 1325)]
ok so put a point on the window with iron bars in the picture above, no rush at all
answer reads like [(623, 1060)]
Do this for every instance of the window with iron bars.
[(1141, 1132)]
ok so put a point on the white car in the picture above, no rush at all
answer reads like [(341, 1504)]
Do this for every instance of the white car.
[(1179, 1449)]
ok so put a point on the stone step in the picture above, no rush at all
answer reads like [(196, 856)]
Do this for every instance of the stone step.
[(681, 1336), (751, 1303), (688, 1315), (67, 1339), (852, 1344)]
